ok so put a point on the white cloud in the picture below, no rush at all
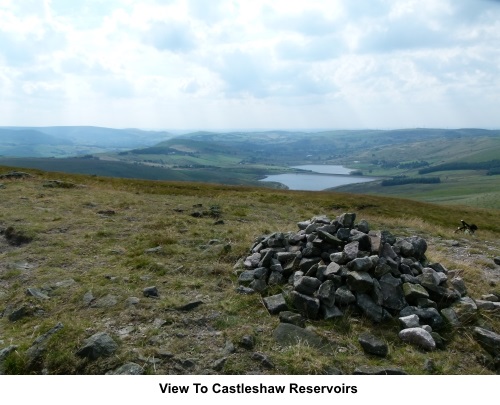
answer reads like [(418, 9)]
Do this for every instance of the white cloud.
[(341, 63)]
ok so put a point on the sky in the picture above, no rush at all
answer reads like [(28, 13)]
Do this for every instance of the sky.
[(250, 64)]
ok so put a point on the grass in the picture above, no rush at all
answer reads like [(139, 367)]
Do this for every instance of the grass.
[(107, 255)]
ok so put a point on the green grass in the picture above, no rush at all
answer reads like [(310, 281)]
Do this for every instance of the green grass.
[(107, 256)]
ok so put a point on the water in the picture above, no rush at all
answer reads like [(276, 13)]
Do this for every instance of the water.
[(325, 176)]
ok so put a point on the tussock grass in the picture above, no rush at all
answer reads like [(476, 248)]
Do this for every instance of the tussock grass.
[(107, 254)]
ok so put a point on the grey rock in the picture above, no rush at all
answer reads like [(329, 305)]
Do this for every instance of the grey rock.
[(326, 293), (392, 292), (306, 285), (263, 360), (496, 260), (368, 370), (293, 318), (361, 264), (37, 293), (107, 301), (370, 309), (346, 220), (410, 321), (127, 369), (287, 334), (306, 305), (151, 292), (351, 250), (459, 285), (450, 317), (219, 364), (489, 341), (19, 313), (466, 310), (88, 298), (373, 345), (343, 296), (4, 353), (330, 312), (247, 342), (359, 281), (363, 226), (427, 316), (418, 337), (275, 304), (488, 305), (132, 301), (98, 345), (414, 291)]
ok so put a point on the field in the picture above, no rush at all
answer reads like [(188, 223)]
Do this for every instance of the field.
[(93, 244)]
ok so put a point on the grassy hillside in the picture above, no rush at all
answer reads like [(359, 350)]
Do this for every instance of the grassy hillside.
[(107, 239)]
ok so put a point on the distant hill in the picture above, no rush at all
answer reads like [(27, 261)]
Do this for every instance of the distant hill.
[(72, 140)]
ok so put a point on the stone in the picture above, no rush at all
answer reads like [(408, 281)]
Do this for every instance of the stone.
[(414, 291), (263, 360), (293, 318), (275, 304), (368, 370), (306, 305), (151, 292), (351, 250), (330, 312), (410, 321), (287, 334), (466, 310), (247, 342), (489, 341), (361, 264), (326, 293), (98, 345), (4, 353), (37, 293), (346, 220), (359, 281), (373, 345), (343, 296), (418, 337), (127, 369), (392, 293), (427, 316), (370, 309), (450, 317), (459, 285), (496, 260), (306, 285)]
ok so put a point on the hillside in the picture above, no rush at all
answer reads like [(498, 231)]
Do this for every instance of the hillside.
[(150, 265)]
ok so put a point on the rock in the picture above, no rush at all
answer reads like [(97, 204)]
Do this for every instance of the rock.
[(19, 313), (88, 298), (392, 293), (410, 321), (275, 304), (263, 360), (127, 369), (306, 285), (346, 220), (107, 301), (450, 317), (293, 318), (466, 310), (343, 296), (370, 309), (418, 337), (35, 353), (361, 264), (307, 306), (287, 334), (37, 293), (496, 260), (4, 353), (98, 345), (150, 292), (330, 312), (326, 293), (219, 364), (459, 285), (488, 305), (359, 281), (489, 341), (427, 316), (368, 370), (189, 306), (373, 345), (414, 291), (247, 342)]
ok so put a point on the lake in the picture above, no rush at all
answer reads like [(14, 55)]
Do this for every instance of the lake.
[(324, 176)]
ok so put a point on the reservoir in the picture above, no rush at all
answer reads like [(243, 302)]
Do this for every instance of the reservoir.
[(320, 178)]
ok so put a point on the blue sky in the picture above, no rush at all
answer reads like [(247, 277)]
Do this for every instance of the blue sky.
[(218, 64)]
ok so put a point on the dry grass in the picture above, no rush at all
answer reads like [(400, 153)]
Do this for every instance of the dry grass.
[(98, 234)]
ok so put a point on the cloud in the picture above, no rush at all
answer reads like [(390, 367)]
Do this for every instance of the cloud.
[(170, 36)]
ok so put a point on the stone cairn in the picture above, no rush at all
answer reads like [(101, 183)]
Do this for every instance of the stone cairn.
[(330, 267)]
